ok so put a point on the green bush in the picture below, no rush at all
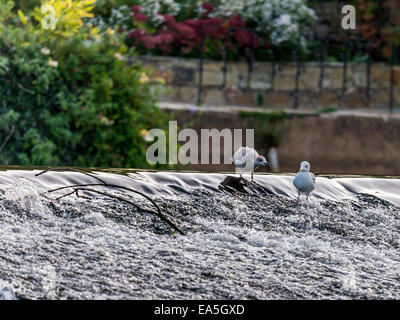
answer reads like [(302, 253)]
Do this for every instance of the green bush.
[(71, 100)]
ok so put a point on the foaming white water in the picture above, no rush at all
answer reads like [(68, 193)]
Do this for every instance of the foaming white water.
[(380, 188), (242, 246), (26, 193), (6, 291)]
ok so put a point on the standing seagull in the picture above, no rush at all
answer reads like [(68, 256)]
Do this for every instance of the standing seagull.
[(304, 180), (247, 159)]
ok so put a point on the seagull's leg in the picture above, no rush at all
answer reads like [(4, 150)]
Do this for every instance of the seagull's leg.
[(308, 195), (252, 176), (298, 197)]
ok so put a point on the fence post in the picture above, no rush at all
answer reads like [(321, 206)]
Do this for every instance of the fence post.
[(273, 72), (393, 61), (296, 89), (322, 65), (250, 59), (368, 87), (225, 68), (200, 84), (344, 81)]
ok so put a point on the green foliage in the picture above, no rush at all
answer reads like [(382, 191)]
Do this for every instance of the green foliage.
[(327, 110), (71, 100), (26, 5)]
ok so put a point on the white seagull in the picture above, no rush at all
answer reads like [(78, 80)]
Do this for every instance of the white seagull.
[(304, 180), (247, 159)]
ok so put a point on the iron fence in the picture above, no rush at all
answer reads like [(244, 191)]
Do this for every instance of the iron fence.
[(345, 44)]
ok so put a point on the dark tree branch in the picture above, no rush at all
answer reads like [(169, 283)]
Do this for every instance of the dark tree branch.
[(83, 187)]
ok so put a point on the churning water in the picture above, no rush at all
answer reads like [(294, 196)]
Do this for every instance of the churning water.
[(254, 244)]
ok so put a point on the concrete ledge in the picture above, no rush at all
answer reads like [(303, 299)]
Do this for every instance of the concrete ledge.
[(350, 142)]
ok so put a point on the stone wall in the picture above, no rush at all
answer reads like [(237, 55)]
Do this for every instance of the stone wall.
[(275, 89)]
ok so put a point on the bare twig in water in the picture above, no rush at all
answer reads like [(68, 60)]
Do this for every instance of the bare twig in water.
[(83, 187)]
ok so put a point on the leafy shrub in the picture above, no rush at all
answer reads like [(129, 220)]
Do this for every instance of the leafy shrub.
[(69, 15), (174, 27), (185, 38), (380, 26), (277, 23), (69, 98), (277, 20)]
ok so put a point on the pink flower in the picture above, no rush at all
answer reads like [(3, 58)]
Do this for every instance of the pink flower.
[(237, 21), (140, 17), (166, 37), (213, 27), (208, 7), (213, 21), (169, 20), (193, 23), (244, 37), (140, 36), (150, 42), (136, 9), (185, 31)]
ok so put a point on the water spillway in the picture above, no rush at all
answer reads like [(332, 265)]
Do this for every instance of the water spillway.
[(256, 243)]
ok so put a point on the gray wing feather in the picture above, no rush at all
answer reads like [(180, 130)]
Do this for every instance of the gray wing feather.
[(239, 158), (242, 155)]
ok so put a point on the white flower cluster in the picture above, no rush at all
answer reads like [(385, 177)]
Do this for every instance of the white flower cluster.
[(119, 18), (152, 8), (283, 20)]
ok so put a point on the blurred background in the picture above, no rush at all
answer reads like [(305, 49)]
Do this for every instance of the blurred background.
[(82, 82)]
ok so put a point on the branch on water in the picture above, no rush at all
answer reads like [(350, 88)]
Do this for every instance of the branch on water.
[(83, 187)]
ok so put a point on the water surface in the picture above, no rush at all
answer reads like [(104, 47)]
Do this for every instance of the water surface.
[(259, 244)]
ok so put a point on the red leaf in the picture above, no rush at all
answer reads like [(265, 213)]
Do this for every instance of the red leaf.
[(237, 21), (140, 17), (208, 7), (136, 9), (139, 35), (185, 31), (243, 37), (150, 42), (169, 20)]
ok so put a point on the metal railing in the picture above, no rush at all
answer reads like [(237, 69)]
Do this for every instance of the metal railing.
[(350, 42)]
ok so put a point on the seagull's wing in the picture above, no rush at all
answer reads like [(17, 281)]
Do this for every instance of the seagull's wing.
[(252, 152), (244, 156), (239, 158)]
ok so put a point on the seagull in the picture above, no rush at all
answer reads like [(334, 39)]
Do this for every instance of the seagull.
[(304, 180), (247, 159)]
